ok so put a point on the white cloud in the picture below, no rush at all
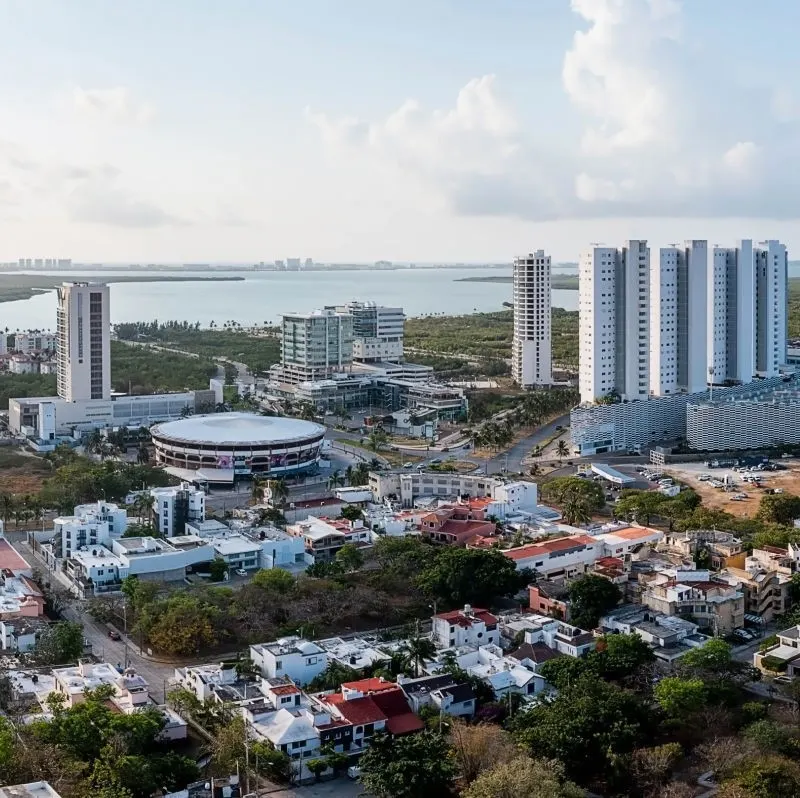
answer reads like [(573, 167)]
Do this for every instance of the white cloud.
[(115, 104), (93, 193), (662, 133)]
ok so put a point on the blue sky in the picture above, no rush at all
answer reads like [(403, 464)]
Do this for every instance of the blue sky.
[(357, 130)]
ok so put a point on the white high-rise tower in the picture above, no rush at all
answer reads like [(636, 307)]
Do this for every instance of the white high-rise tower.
[(84, 342), (531, 353), (614, 304)]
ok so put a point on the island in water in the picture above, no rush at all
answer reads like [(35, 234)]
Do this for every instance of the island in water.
[(14, 287)]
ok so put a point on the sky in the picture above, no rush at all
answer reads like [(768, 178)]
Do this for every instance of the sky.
[(422, 130)]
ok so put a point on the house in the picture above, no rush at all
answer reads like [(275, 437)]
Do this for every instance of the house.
[(504, 675), (611, 568), (724, 549), (533, 655), (363, 715), (20, 634), (560, 637), (425, 691), (547, 597), (294, 657), (20, 597), (623, 541), (237, 551), (293, 731), (471, 626), (784, 656), (323, 537), (130, 690), (561, 558), (692, 594), (355, 653), (205, 680), (454, 525), (766, 591)]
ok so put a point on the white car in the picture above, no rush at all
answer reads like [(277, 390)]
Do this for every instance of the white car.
[(241, 572), (353, 772)]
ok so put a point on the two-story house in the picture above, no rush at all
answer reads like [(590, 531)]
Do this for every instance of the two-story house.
[(470, 626), (300, 660)]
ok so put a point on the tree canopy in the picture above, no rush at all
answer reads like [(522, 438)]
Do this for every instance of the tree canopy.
[(590, 597)]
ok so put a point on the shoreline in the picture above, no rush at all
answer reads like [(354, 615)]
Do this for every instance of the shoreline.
[(15, 288)]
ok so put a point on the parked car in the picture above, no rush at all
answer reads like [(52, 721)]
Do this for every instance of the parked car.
[(408, 465), (353, 772), (241, 572), (114, 634)]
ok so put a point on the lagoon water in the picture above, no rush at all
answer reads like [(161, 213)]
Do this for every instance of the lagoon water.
[(263, 296)]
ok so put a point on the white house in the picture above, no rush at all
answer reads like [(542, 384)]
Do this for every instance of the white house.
[(33, 789), (238, 551), (19, 634), (204, 680), (621, 542), (300, 660), (90, 525), (470, 626)]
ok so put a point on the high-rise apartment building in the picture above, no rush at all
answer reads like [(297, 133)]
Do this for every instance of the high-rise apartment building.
[(713, 316), (614, 305), (531, 352), (315, 345), (771, 267), (84, 342), (377, 331)]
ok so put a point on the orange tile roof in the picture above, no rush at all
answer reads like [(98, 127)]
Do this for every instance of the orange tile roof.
[(549, 546), (634, 532), (10, 559), (285, 689), (372, 685)]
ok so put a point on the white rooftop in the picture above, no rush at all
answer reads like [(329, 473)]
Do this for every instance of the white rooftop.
[(34, 789), (237, 428), (234, 544)]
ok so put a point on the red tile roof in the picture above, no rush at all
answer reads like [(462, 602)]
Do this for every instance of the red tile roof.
[(360, 711), (391, 702), (285, 689), (549, 547), (404, 724), (372, 685), (457, 616)]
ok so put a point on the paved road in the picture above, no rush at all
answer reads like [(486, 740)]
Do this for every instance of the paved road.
[(336, 788), (511, 460)]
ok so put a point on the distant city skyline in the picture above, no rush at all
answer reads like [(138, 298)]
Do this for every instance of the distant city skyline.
[(432, 131)]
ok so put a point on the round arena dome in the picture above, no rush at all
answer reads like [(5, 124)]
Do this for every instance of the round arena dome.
[(243, 442)]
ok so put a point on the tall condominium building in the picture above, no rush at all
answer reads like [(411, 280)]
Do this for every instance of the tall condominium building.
[(315, 345), (377, 331), (679, 290), (716, 316), (771, 267), (614, 305), (531, 354), (84, 342)]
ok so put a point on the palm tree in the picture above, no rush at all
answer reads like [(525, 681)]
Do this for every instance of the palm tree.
[(335, 480), (278, 491), (360, 475), (7, 504), (562, 450), (143, 455), (416, 650), (575, 511), (257, 491), (377, 439)]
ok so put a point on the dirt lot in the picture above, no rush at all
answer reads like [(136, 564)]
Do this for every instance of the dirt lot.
[(21, 473), (789, 480)]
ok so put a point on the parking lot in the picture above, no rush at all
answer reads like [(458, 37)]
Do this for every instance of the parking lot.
[(727, 489)]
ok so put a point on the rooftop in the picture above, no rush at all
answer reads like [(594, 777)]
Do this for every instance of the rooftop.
[(237, 428), (467, 616), (34, 789), (10, 559), (559, 545)]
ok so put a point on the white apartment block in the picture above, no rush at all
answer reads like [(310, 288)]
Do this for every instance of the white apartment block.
[(377, 331), (531, 355), (90, 525), (30, 342), (698, 316), (771, 261), (315, 346), (174, 507), (614, 305), (84, 342)]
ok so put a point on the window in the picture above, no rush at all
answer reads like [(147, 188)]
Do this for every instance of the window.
[(278, 664)]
